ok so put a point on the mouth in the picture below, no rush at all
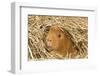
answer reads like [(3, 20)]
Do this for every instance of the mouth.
[(49, 48)]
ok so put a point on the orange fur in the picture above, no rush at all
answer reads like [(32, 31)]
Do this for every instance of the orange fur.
[(58, 42)]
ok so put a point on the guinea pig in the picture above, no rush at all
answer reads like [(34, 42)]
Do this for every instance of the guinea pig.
[(58, 42)]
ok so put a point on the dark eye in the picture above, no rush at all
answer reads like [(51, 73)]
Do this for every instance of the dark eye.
[(59, 35)]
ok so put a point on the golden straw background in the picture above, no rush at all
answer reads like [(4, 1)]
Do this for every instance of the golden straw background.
[(77, 27)]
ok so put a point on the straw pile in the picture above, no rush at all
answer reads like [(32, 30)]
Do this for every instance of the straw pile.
[(75, 25)]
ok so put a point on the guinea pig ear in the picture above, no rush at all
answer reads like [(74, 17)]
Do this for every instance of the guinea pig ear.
[(47, 28), (66, 32)]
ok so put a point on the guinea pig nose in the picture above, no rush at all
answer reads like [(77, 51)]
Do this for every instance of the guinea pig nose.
[(49, 44)]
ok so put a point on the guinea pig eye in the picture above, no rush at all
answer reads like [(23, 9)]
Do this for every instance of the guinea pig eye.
[(59, 35)]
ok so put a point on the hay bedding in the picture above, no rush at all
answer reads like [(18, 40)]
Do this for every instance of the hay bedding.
[(37, 25)]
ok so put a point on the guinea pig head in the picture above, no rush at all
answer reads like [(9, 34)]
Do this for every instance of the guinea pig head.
[(55, 38)]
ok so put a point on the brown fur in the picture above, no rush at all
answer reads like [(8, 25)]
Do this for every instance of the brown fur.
[(59, 43)]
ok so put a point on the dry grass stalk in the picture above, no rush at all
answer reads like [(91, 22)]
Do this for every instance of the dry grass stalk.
[(77, 27)]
